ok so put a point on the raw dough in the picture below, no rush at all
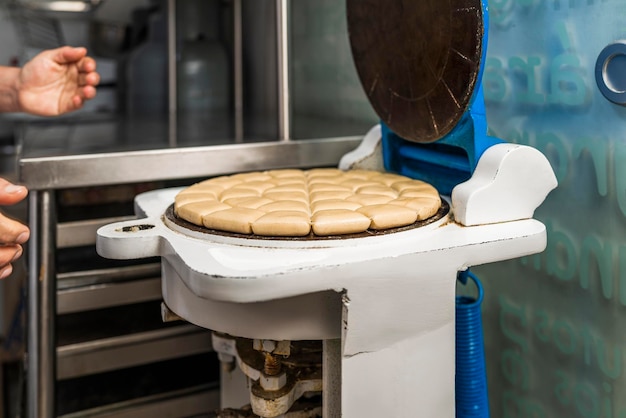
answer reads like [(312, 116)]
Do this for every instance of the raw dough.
[(388, 216), (233, 220), (324, 201), (339, 222), (284, 223)]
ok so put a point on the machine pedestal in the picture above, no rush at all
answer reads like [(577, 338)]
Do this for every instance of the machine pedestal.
[(390, 303)]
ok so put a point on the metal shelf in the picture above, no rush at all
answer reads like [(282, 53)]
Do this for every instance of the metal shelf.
[(106, 295), (77, 279), (190, 402), (106, 354), (79, 233)]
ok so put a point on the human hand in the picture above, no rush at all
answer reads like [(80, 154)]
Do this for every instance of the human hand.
[(12, 233), (57, 81)]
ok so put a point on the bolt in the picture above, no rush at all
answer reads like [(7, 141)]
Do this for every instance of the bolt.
[(272, 364), (273, 383)]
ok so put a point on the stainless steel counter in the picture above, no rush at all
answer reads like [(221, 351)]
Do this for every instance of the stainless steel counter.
[(178, 163), (69, 155)]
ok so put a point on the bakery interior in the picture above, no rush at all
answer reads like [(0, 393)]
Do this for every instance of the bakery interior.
[(194, 89)]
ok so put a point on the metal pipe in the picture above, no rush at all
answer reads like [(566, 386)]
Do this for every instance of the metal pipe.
[(41, 306), (48, 310), (171, 72), (238, 67), (33, 359), (282, 35)]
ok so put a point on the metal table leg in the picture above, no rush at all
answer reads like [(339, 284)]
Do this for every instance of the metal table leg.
[(41, 345)]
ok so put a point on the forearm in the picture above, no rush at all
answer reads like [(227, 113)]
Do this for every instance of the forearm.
[(8, 89)]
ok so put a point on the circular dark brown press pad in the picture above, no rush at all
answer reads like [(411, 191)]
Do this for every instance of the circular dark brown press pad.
[(418, 61)]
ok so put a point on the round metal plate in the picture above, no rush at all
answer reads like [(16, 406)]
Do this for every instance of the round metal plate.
[(418, 61)]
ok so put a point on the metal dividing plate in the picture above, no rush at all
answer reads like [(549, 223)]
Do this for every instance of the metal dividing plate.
[(418, 61)]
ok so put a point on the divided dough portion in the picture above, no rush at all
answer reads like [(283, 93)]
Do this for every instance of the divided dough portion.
[(339, 222), (298, 202), (285, 223), (194, 212), (233, 220)]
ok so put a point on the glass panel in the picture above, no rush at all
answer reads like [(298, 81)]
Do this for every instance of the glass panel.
[(204, 71), (327, 97), (554, 322)]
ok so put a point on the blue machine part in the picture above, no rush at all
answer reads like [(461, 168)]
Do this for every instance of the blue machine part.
[(471, 376), (451, 159)]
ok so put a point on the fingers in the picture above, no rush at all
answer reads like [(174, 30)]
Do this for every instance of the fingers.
[(84, 93), (88, 79), (8, 254), (12, 235), (10, 193), (89, 92), (12, 232), (68, 54), (87, 65)]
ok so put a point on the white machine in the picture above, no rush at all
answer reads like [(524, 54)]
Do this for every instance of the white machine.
[(361, 326)]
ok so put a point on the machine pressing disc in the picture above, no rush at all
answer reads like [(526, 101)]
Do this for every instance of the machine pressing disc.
[(418, 61)]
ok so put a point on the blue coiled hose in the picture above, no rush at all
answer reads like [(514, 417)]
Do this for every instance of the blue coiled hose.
[(471, 377)]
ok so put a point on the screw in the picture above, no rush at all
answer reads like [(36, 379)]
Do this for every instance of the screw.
[(272, 365)]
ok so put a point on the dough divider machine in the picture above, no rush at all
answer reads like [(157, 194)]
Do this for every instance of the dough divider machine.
[(362, 326)]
